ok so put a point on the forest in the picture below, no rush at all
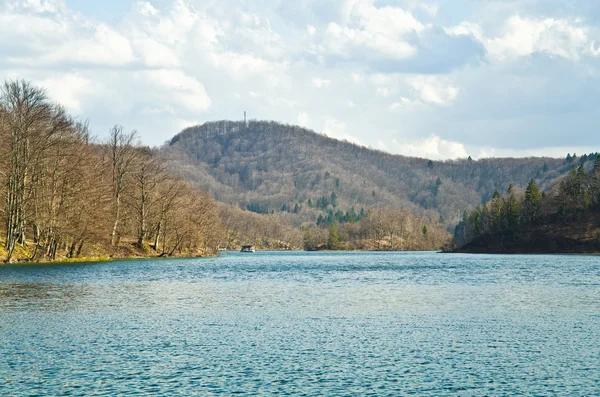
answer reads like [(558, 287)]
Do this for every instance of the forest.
[(563, 218), (67, 196), (269, 167)]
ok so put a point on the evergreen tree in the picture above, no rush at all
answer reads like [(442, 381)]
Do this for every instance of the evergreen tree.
[(310, 203), (333, 239), (545, 168), (425, 231), (334, 199), (496, 212), (511, 208), (436, 189), (533, 201)]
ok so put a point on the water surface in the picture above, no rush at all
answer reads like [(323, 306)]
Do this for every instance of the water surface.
[(330, 324)]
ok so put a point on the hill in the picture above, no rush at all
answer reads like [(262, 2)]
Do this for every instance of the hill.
[(268, 167)]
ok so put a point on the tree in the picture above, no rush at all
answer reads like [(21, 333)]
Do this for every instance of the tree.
[(334, 202), (511, 208), (24, 112), (438, 183), (122, 152), (533, 201), (308, 240), (148, 174), (496, 212), (333, 239)]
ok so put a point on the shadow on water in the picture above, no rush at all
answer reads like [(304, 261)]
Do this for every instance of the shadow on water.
[(42, 296)]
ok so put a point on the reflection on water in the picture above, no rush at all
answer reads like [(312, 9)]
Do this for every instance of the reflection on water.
[(41, 296), (304, 324)]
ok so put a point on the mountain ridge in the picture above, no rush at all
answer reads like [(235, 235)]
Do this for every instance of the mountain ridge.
[(271, 166)]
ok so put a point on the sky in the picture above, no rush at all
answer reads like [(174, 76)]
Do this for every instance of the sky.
[(439, 79)]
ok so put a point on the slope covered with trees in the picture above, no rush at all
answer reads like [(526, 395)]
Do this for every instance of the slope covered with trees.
[(267, 167), (65, 196), (564, 218)]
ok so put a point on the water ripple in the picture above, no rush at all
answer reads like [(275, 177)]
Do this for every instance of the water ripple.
[(304, 324)]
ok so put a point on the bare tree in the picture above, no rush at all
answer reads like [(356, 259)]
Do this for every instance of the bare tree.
[(122, 152), (25, 111)]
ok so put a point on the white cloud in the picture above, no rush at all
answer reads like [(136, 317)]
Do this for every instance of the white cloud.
[(433, 89), (431, 9), (525, 36), (433, 147), (321, 83), (185, 90), (400, 104), (380, 30), (303, 119), (334, 128), (69, 90), (41, 6), (383, 92), (146, 9)]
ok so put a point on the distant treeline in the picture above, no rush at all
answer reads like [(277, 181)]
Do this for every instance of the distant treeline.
[(64, 195), (380, 229), (567, 211)]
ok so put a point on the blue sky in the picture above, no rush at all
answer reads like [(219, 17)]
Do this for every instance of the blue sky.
[(435, 78)]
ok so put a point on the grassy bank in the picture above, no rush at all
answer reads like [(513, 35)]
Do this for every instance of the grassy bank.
[(97, 252)]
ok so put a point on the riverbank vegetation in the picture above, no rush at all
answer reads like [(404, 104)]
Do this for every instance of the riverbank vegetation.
[(564, 218), (66, 195), (379, 229)]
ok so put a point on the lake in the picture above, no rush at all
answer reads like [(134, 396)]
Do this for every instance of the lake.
[(305, 324)]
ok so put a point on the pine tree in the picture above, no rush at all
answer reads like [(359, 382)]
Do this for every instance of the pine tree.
[(496, 211), (333, 239), (436, 189), (533, 201), (334, 202), (511, 208), (545, 168)]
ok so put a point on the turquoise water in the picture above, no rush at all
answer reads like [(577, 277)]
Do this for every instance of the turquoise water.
[(306, 324)]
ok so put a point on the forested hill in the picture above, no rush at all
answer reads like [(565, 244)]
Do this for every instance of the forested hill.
[(270, 167)]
